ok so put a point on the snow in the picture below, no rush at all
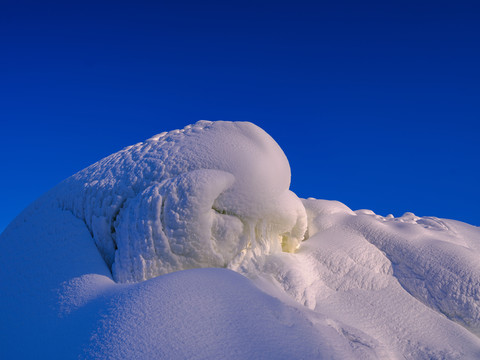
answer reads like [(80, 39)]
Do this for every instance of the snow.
[(204, 196), (191, 245)]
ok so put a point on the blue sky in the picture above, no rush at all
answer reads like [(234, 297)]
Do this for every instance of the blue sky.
[(376, 104)]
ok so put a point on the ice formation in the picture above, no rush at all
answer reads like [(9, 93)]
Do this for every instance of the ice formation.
[(79, 267), (210, 195)]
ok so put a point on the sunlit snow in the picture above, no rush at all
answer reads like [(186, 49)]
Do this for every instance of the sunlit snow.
[(91, 269)]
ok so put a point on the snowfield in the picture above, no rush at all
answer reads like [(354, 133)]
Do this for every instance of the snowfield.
[(190, 245)]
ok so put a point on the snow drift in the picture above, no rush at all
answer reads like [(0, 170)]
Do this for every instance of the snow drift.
[(313, 279), (205, 196)]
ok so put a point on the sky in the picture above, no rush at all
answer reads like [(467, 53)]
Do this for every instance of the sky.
[(376, 104)]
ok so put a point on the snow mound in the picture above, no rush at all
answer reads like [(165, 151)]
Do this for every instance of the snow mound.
[(214, 194), (79, 267)]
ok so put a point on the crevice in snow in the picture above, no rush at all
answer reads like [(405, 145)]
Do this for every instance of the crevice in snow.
[(113, 230)]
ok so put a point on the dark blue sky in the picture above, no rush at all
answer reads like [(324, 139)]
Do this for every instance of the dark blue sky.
[(376, 104)]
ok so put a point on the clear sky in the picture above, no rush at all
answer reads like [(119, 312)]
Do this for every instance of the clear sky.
[(376, 104)]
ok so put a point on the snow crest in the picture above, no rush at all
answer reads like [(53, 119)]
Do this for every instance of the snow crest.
[(214, 194)]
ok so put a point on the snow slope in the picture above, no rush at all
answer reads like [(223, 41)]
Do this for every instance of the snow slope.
[(91, 270)]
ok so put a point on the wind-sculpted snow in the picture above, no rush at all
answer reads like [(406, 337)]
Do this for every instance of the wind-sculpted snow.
[(411, 275), (432, 261), (80, 268), (210, 195)]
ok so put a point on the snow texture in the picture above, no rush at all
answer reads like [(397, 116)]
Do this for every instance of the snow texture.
[(209, 195), (312, 279)]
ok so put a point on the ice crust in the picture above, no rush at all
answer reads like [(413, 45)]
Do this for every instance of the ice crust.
[(312, 279)]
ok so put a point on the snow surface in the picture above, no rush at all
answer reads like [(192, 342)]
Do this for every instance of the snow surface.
[(312, 279), (208, 195)]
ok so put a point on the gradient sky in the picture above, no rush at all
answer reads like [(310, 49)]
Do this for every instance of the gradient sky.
[(376, 104)]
